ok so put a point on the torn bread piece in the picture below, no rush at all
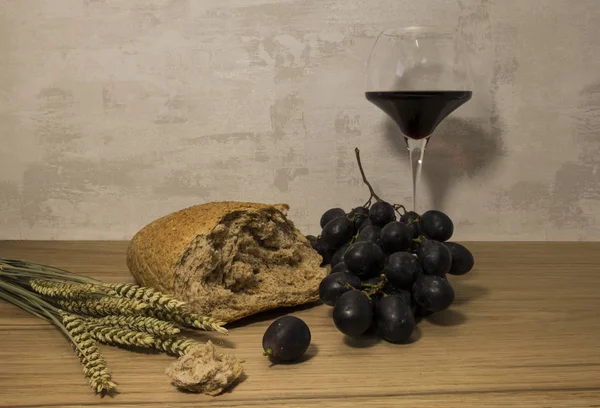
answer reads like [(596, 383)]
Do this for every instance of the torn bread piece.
[(203, 369), (228, 260)]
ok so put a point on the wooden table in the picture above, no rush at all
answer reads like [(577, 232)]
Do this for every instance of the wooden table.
[(524, 331)]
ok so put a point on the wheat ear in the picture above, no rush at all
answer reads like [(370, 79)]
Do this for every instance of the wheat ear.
[(146, 324), (65, 290), (177, 345), (86, 348), (103, 307), (188, 319), (151, 297)]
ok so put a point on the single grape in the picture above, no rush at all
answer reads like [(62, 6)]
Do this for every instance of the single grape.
[(436, 225), (404, 295), (338, 255), (337, 232), (402, 269), (340, 267), (369, 234), (359, 211), (286, 339), (394, 319), (353, 313), (366, 223), (364, 259), (433, 293), (331, 214), (334, 285), (410, 218), (396, 236), (325, 253), (381, 213), (434, 257), (462, 258), (314, 241)]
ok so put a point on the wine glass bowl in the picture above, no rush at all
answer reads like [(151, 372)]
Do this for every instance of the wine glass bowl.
[(418, 76)]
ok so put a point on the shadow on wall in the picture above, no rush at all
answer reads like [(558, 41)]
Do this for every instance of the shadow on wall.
[(457, 149)]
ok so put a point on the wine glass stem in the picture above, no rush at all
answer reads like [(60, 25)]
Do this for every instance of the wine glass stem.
[(416, 150)]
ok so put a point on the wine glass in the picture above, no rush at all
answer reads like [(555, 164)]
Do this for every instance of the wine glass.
[(418, 76)]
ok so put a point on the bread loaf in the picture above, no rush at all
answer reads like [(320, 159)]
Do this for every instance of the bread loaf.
[(227, 260)]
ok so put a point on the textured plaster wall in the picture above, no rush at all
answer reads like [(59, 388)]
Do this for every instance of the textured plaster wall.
[(113, 113)]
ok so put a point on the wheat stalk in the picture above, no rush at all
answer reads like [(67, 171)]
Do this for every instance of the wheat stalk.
[(146, 324), (86, 348), (103, 307)]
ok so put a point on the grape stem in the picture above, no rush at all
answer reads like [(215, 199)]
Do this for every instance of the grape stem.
[(398, 206), (364, 177), (374, 289), (420, 239), (268, 352)]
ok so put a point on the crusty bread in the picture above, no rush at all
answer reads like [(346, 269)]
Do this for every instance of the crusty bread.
[(227, 260)]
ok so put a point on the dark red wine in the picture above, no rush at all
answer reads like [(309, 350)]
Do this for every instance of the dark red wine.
[(418, 112)]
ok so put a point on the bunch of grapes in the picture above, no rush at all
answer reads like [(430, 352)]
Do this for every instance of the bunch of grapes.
[(387, 270)]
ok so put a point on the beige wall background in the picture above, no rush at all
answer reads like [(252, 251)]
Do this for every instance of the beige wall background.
[(113, 113)]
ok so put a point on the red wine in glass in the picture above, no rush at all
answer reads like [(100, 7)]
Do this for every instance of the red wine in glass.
[(418, 113), (418, 76)]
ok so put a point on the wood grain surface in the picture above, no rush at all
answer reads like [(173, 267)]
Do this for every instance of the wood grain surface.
[(524, 331)]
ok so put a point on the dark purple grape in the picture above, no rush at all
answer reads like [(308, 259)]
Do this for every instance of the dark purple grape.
[(358, 215), (405, 295), (338, 255), (369, 234), (314, 241), (353, 313), (395, 237), (337, 232), (381, 213), (433, 293), (286, 339), (340, 267), (325, 253), (334, 285), (402, 269), (436, 225), (410, 218), (364, 259), (462, 258), (331, 214), (394, 319), (434, 257), (366, 223)]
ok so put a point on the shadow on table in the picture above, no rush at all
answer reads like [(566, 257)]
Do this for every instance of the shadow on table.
[(310, 353), (270, 315), (467, 292), (448, 317)]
